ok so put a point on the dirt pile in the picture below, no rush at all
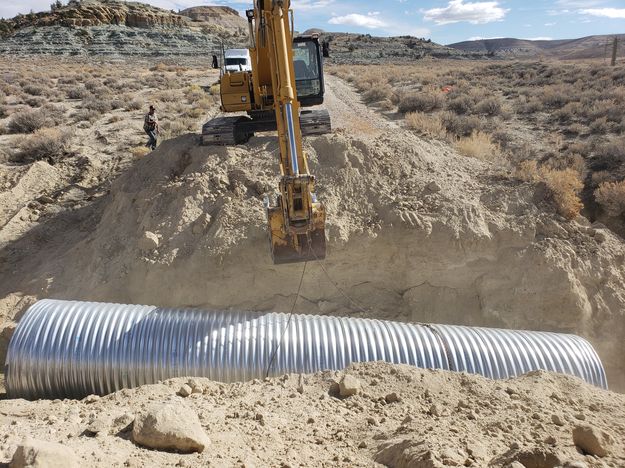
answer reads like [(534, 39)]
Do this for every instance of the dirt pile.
[(399, 416), (415, 233)]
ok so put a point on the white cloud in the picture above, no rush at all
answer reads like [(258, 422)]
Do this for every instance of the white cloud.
[(615, 13), (578, 3), (550, 24), (457, 11), (356, 19), (540, 38), (307, 5)]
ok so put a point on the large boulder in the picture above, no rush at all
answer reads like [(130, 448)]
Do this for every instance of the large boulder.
[(41, 454), (170, 427)]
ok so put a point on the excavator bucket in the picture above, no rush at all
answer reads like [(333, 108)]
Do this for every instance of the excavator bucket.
[(295, 247)]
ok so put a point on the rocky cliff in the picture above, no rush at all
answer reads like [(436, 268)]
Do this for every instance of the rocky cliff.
[(111, 27)]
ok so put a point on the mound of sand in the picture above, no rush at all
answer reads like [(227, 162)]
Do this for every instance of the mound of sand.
[(399, 417)]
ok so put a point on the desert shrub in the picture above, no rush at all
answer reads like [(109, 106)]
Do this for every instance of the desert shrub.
[(116, 104), (426, 124), (527, 171), (377, 93), (46, 143), (134, 104), (35, 101), (564, 187), (553, 98), (478, 145), (529, 106), (78, 92), (611, 197), (139, 151), (420, 102), (176, 128), (488, 106), (84, 115), (193, 113), (67, 80), (93, 85), (101, 106), (204, 103), (194, 93), (609, 155), (167, 96), (460, 125), (27, 121), (34, 90), (460, 104), (599, 126)]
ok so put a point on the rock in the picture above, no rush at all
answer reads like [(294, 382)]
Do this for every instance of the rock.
[(392, 398), (592, 441), (433, 187), (200, 224), (149, 241), (575, 464), (110, 423), (185, 391), (170, 427), (557, 420), (91, 399), (349, 385), (42, 454), (362, 444), (435, 410), (406, 453)]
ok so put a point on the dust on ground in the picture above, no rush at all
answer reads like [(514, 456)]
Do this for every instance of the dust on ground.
[(398, 416)]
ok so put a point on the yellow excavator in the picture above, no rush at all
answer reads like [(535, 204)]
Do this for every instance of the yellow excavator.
[(286, 74)]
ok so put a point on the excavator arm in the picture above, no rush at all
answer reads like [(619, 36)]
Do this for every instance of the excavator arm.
[(297, 221)]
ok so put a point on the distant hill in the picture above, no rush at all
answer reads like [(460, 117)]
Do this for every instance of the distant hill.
[(582, 48), (114, 27)]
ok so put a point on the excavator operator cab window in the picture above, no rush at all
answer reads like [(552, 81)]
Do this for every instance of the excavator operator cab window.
[(308, 72)]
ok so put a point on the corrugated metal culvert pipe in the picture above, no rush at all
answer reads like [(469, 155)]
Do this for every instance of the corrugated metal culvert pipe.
[(72, 349)]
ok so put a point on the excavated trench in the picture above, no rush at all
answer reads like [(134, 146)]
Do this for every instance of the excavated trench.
[(415, 233)]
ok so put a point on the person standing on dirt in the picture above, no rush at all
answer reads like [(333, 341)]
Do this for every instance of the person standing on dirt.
[(150, 125)]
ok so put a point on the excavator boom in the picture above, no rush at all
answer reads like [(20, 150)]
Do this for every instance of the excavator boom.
[(296, 221)]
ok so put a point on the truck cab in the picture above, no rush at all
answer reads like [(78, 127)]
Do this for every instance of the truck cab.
[(237, 60)]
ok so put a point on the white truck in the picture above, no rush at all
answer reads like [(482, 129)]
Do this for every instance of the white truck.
[(237, 60)]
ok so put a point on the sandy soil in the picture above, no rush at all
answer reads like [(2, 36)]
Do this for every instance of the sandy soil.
[(416, 232), (402, 417)]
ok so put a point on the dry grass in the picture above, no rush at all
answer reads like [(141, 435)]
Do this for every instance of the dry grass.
[(564, 187), (420, 102), (479, 146), (426, 124), (139, 151), (47, 143), (611, 197)]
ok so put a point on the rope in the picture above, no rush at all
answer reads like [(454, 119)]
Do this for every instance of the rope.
[(355, 303), (288, 322)]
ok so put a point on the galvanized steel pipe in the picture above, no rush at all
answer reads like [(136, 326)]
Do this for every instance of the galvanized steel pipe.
[(73, 349)]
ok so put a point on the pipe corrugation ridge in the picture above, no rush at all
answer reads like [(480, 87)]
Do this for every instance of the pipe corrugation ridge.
[(73, 349), (500, 353)]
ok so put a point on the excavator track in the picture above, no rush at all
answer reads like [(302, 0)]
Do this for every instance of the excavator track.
[(237, 130), (315, 122), (224, 131)]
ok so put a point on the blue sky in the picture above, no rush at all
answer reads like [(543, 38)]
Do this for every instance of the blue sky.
[(443, 21)]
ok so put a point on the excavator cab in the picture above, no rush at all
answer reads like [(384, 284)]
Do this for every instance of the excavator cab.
[(308, 66)]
